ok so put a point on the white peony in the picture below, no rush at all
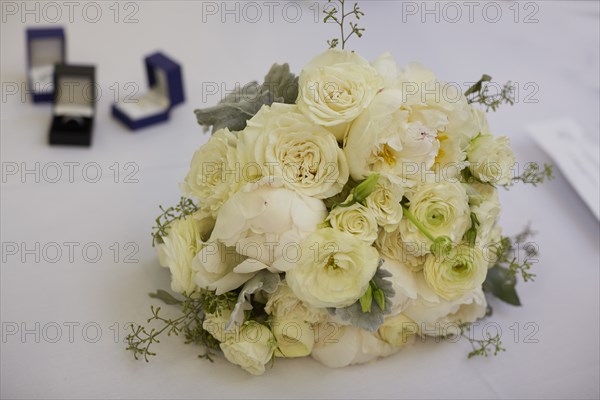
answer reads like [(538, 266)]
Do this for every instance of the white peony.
[(286, 144), (264, 221), (339, 346), (384, 202), (180, 246), (491, 159), (442, 209), (439, 317), (252, 350), (215, 172), (335, 87), (214, 268), (333, 269), (356, 219)]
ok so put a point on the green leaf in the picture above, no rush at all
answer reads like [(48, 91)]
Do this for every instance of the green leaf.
[(501, 284), (471, 234), (379, 297), (477, 85), (166, 297), (366, 301)]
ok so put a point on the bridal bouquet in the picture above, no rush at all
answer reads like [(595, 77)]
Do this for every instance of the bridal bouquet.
[(340, 214)]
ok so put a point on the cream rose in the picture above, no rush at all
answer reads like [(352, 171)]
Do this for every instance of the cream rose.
[(180, 246), (398, 330), (264, 220), (252, 350), (356, 219), (457, 272), (442, 209), (292, 322), (215, 172), (286, 144), (335, 87), (333, 269), (391, 246), (491, 159), (384, 202)]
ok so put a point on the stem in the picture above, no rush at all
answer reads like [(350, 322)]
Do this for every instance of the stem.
[(419, 226), (342, 25)]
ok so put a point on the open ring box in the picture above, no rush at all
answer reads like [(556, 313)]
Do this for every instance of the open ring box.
[(166, 91), (45, 48), (74, 105)]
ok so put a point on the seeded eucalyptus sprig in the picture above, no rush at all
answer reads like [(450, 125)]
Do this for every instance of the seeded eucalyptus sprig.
[(339, 17), (479, 92), (481, 347), (183, 208), (189, 323), (533, 175)]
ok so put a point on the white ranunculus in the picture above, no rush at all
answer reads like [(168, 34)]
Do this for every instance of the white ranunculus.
[(180, 246), (398, 330), (333, 268), (214, 173), (335, 87), (286, 144), (339, 346), (356, 219), (264, 221), (491, 159), (443, 210), (216, 323), (441, 317), (384, 202), (252, 350), (457, 272), (214, 268)]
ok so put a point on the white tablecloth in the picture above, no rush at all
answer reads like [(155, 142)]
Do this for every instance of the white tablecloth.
[(89, 298)]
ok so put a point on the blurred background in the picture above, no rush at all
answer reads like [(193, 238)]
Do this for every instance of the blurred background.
[(77, 260)]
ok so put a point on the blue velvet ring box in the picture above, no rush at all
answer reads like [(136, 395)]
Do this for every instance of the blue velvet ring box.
[(45, 48), (74, 105), (165, 81)]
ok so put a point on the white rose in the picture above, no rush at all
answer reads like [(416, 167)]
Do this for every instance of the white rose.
[(398, 330), (214, 268), (487, 211), (286, 144), (391, 246), (356, 219), (340, 346), (180, 246), (384, 202), (252, 350), (335, 87), (263, 220), (333, 269), (456, 273), (213, 175), (292, 322), (285, 304), (442, 209), (215, 325), (491, 159), (441, 317)]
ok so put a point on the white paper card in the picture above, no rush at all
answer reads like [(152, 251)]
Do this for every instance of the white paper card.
[(575, 154)]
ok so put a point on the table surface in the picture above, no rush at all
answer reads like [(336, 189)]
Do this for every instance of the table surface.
[(63, 315)]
